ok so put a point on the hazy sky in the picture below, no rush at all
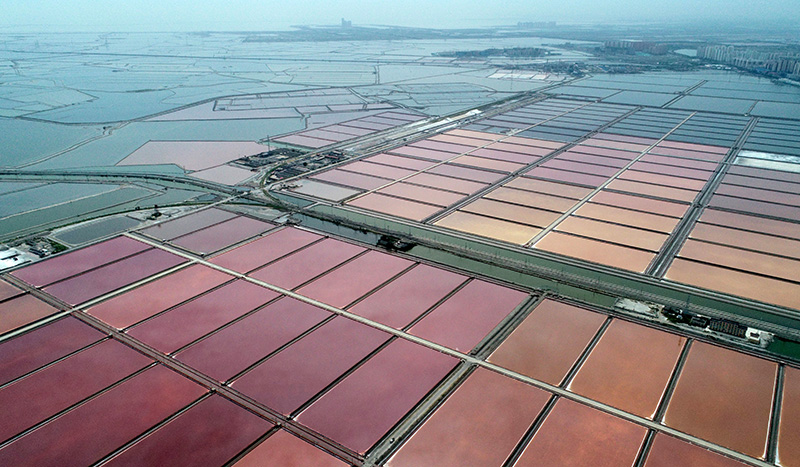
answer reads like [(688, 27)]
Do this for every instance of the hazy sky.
[(210, 15)]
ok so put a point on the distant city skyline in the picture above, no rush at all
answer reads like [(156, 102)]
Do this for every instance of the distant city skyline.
[(184, 15)]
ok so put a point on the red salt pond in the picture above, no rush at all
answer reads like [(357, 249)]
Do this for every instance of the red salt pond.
[(533, 154), (48, 343), (474, 175), (667, 451), (488, 227), (627, 236), (301, 266), (422, 194), (581, 167), (210, 433), (105, 423), (639, 203), (189, 223), (574, 434), (442, 146), (355, 180), (478, 425), (158, 295), (446, 183), (78, 261), (376, 170), (395, 206), (751, 223), (746, 240), (512, 212), (113, 276), (595, 251), (661, 179), (7, 291), (22, 310), (464, 319), (567, 176), (33, 399), (400, 161), (192, 320), (222, 235), (358, 411), (661, 169), (549, 341), (531, 199), (648, 189), (756, 207), (627, 217), (724, 397), (735, 258), (629, 368), (486, 163), (552, 188), (236, 347), (424, 153), (354, 279), (789, 427), (767, 195), (266, 249), (726, 280), (293, 376), (284, 449), (394, 304), (593, 159)]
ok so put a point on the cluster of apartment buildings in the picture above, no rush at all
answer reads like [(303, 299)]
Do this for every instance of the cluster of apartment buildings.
[(752, 59)]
